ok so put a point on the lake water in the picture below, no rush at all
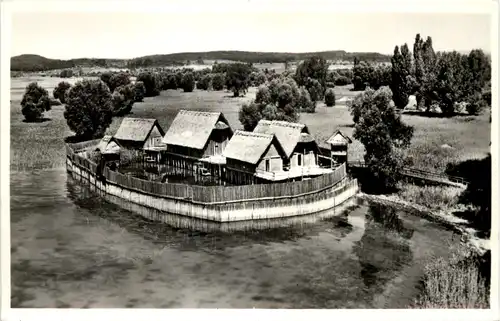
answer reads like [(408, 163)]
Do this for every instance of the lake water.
[(71, 248)]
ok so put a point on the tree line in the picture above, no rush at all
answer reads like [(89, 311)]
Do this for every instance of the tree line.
[(441, 82)]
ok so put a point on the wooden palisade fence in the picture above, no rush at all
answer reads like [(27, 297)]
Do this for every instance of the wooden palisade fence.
[(212, 194)]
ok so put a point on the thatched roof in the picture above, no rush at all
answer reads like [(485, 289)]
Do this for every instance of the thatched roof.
[(108, 145), (249, 147), (306, 138), (288, 134), (338, 138), (137, 129), (193, 128)]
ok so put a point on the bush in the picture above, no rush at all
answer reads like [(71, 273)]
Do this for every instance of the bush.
[(204, 82), (342, 81), (330, 97), (123, 99), (218, 81), (150, 82), (61, 90), (140, 91), (475, 104), (89, 109), (35, 102), (257, 78), (171, 81), (487, 97), (188, 82), (66, 73)]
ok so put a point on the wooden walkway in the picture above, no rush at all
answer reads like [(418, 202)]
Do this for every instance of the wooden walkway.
[(434, 177)]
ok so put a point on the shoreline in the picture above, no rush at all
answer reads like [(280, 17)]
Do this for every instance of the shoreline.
[(445, 219)]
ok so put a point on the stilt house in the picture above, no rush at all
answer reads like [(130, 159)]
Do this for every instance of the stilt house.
[(139, 133), (198, 135), (109, 148), (139, 136), (252, 157), (338, 143), (300, 147)]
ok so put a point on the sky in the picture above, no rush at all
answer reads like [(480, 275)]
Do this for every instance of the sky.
[(66, 35)]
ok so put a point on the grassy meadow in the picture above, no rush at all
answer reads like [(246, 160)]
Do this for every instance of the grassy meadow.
[(437, 141)]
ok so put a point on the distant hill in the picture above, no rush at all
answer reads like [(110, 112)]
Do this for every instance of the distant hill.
[(39, 63), (251, 57)]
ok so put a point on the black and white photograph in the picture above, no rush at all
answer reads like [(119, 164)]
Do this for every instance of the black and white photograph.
[(207, 157)]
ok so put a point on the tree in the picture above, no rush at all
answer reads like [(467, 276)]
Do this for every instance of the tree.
[(89, 110), (401, 76), (178, 78), (171, 81), (188, 82), (218, 81), (123, 99), (380, 129), (380, 76), (315, 89), (305, 103), (35, 102), (60, 91), (452, 81), (150, 82), (117, 80), (280, 99), (362, 74), (204, 82), (479, 67), (330, 97), (313, 68), (106, 78), (237, 78), (425, 71), (140, 91)]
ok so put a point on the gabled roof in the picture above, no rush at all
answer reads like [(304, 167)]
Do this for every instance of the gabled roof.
[(193, 128), (288, 134), (249, 147), (136, 129), (104, 144), (338, 138)]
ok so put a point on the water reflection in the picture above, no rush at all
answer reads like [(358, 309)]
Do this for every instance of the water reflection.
[(126, 215), (384, 248), (71, 247)]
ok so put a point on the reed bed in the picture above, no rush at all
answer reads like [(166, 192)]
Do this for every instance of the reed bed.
[(438, 198), (453, 284)]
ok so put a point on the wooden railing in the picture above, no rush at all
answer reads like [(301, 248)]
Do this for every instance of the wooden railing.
[(419, 173), (214, 194)]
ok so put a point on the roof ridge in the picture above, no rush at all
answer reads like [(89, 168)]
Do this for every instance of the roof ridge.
[(287, 123), (199, 112), (138, 118), (252, 134)]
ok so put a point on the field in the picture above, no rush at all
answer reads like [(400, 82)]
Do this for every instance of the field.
[(437, 141)]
